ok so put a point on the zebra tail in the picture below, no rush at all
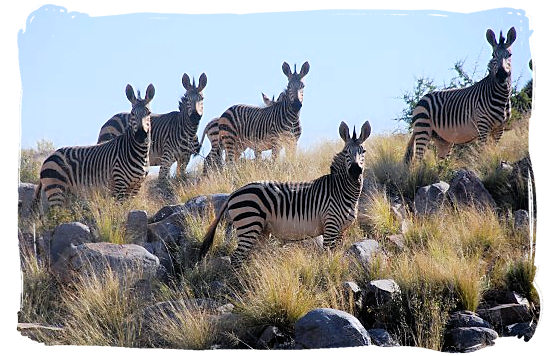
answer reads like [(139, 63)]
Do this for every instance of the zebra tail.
[(409, 153), (210, 235), (36, 198)]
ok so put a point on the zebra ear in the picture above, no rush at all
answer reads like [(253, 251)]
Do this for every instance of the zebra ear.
[(365, 132), (202, 82), (130, 93), (286, 69), (344, 131), (491, 38), (304, 70), (150, 91), (511, 37), (266, 100), (186, 82)]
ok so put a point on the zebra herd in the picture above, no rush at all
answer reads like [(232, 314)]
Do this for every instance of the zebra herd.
[(129, 143)]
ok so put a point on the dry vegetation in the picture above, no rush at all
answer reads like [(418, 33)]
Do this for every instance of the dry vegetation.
[(450, 258)]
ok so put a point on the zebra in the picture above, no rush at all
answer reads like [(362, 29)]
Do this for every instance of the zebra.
[(298, 210), (459, 116), (120, 164), (211, 130), (243, 126), (174, 135)]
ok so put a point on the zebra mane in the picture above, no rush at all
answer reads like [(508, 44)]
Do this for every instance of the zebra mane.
[(338, 163)]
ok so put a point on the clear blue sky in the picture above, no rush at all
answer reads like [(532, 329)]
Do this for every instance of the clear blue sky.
[(74, 67)]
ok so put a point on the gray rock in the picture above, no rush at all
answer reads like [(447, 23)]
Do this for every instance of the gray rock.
[(466, 188), (380, 337), (26, 196), (467, 339), (136, 226), (167, 262), (165, 212), (353, 292), (398, 241), (328, 328), (364, 251), (525, 330), (66, 236), (430, 198), (273, 338), (466, 318), (399, 211), (201, 203), (125, 261), (380, 292), (169, 230), (506, 314)]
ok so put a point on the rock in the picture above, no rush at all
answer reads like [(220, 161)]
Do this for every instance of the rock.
[(466, 188), (380, 292), (525, 330), (398, 241), (169, 230), (506, 314), (66, 236), (328, 328), (522, 219), (364, 251), (39, 331), (26, 197), (353, 293), (430, 198), (136, 226), (492, 298), (273, 338), (167, 262), (467, 339), (125, 261), (165, 212), (399, 212), (200, 204), (380, 337), (466, 318)]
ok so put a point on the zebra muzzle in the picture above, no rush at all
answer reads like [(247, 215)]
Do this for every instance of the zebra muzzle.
[(355, 170)]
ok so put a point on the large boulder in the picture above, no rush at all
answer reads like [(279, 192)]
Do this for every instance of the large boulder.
[(430, 198), (136, 226), (97, 259), (380, 337), (503, 315), (328, 328), (467, 339), (65, 236), (467, 189)]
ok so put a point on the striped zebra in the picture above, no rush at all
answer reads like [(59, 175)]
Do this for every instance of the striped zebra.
[(460, 116), (294, 211), (243, 126), (211, 130), (174, 135), (120, 164)]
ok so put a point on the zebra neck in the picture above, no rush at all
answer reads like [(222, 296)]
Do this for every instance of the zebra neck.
[(338, 171), (187, 124), (503, 88)]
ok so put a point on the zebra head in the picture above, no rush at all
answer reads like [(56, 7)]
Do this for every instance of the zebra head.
[(352, 157), (500, 64), (295, 88), (191, 104), (140, 111)]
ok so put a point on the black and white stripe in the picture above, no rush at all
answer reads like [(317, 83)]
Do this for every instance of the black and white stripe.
[(460, 116), (294, 211), (174, 135), (243, 126), (120, 164), (211, 130)]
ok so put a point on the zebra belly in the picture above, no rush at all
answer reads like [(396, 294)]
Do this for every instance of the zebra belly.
[(295, 229), (459, 134)]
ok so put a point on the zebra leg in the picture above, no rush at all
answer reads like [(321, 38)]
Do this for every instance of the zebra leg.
[(275, 152), (444, 148), (247, 236), (331, 234), (182, 162), (496, 134), (165, 165)]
